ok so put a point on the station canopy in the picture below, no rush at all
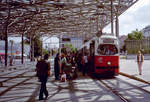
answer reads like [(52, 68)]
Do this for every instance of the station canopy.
[(81, 18)]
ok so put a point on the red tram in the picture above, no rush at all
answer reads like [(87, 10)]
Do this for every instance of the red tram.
[(104, 57)]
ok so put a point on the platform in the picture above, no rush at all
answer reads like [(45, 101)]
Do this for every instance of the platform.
[(25, 88)]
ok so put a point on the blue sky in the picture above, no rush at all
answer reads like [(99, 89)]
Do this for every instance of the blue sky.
[(136, 17)]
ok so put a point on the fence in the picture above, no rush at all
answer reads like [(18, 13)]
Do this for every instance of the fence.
[(132, 46)]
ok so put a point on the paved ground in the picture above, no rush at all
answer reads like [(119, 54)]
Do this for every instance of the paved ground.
[(17, 83), (82, 89), (131, 56), (130, 67)]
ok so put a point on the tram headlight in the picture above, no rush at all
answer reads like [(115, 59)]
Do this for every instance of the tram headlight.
[(108, 63)]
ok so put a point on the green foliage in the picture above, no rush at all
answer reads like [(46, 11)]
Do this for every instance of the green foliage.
[(27, 41), (70, 46), (37, 46), (76, 49), (63, 50), (54, 51), (45, 51), (135, 35)]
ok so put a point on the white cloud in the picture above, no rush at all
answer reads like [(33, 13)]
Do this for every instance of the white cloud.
[(136, 17)]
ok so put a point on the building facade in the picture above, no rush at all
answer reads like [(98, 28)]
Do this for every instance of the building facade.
[(75, 41), (146, 31), (14, 48)]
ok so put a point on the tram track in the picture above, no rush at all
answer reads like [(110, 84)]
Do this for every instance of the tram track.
[(9, 78), (115, 92), (13, 86), (13, 77), (146, 91), (14, 69), (120, 91), (9, 72)]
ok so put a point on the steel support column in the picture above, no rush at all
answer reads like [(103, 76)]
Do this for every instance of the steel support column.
[(6, 36), (112, 27), (117, 20), (22, 57), (11, 58), (117, 26), (32, 49), (97, 23), (42, 48)]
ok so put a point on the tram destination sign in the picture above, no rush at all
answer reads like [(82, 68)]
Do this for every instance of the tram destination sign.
[(108, 41)]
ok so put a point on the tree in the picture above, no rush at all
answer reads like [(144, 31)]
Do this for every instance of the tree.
[(135, 35), (37, 46)]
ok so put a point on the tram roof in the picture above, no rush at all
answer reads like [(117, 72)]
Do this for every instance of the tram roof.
[(108, 36), (56, 17), (86, 44)]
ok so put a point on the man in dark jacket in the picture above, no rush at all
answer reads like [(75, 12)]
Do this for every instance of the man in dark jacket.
[(43, 71), (57, 66)]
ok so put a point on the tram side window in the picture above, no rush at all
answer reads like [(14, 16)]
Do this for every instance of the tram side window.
[(107, 49)]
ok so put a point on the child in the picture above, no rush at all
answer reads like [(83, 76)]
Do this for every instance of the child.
[(63, 77)]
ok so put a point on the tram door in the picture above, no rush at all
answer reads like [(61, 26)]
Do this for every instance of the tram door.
[(92, 54)]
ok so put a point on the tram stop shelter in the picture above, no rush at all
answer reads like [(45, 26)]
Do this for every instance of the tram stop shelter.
[(81, 18)]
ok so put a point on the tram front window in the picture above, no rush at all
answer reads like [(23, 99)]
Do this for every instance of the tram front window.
[(107, 49)]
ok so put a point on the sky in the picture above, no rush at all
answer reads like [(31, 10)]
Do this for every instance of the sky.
[(136, 17)]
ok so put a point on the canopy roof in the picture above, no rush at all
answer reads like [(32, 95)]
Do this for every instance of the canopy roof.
[(57, 17)]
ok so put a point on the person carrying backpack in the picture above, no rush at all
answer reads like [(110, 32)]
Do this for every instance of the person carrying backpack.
[(43, 72)]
